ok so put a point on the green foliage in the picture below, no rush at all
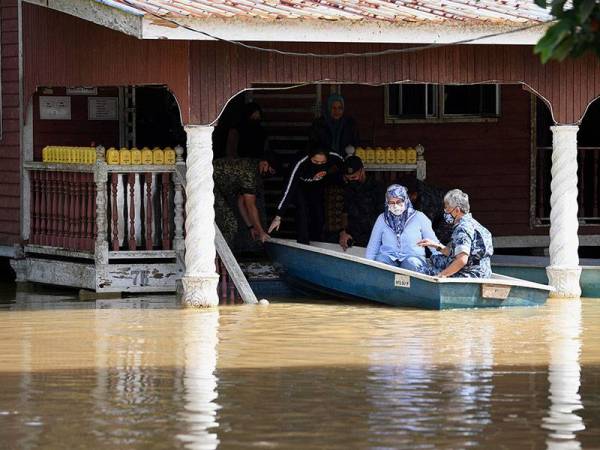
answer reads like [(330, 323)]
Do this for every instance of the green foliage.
[(575, 32)]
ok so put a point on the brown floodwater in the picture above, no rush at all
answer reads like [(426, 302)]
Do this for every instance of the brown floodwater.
[(141, 373)]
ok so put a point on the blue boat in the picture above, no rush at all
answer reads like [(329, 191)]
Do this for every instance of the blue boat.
[(533, 268), (327, 267)]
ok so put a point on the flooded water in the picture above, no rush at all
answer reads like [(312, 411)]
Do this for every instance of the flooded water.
[(141, 373)]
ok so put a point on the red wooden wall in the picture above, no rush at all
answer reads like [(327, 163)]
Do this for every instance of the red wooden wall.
[(489, 161), (10, 142), (78, 131)]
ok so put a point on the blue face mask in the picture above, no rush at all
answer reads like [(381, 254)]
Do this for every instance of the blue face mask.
[(448, 218)]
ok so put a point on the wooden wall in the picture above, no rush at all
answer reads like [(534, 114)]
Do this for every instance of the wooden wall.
[(10, 142), (219, 70), (61, 50), (78, 131), (489, 161)]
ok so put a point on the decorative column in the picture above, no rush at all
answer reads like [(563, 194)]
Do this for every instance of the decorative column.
[(200, 279), (564, 270), (101, 180)]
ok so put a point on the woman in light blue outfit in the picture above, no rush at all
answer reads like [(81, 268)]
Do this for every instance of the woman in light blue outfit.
[(397, 230)]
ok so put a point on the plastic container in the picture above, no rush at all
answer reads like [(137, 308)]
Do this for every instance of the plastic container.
[(112, 156), (158, 156), (146, 156), (400, 156), (370, 156), (390, 156), (125, 156), (379, 155), (411, 156), (169, 156), (136, 156)]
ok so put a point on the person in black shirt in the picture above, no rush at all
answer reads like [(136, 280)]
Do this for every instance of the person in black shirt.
[(362, 204), (306, 189)]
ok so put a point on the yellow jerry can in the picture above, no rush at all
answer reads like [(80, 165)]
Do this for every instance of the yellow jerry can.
[(146, 156), (169, 156), (370, 156), (125, 156), (379, 155), (411, 156), (112, 156), (390, 155), (158, 156), (136, 156), (361, 153), (400, 156), (45, 154)]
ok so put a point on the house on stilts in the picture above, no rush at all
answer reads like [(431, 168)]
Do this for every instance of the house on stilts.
[(81, 77)]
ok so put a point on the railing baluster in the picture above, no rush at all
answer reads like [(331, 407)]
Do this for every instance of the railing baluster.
[(165, 210), (83, 215), (65, 213), (90, 210), (52, 208), (148, 179), (131, 183), (35, 207), (114, 223), (44, 208), (73, 211)]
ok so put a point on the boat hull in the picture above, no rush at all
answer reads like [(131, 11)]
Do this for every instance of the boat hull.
[(344, 277), (589, 280)]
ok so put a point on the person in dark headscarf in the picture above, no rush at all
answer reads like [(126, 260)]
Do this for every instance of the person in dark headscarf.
[(397, 230), (306, 189), (334, 130), (248, 139)]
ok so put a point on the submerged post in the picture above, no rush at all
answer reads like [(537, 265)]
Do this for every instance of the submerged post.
[(564, 270), (200, 279)]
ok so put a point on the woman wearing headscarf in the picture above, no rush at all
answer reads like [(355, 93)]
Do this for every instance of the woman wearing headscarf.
[(470, 248), (306, 189), (334, 130), (397, 230)]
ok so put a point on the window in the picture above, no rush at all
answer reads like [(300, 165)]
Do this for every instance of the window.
[(442, 102)]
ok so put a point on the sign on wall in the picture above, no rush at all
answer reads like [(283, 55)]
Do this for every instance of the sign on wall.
[(82, 90), (55, 108), (103, 108)]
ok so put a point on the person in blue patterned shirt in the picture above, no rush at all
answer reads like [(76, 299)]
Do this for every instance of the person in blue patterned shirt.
[(469, 251)]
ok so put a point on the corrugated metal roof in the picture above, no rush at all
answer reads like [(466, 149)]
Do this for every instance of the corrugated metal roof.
[(487, 11)]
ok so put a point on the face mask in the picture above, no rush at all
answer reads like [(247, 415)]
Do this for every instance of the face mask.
[(396, 210), (448, 218)]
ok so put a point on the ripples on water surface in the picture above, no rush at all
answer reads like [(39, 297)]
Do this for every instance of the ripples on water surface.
[(140, 373)]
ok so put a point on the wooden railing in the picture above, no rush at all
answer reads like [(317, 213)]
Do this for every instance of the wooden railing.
[(588, 196), (106, 208)]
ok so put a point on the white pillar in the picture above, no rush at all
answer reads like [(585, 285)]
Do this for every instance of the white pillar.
[(200, 279), (564, 270)]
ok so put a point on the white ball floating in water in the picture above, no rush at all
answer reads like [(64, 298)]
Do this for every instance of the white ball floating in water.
[(263, 301)]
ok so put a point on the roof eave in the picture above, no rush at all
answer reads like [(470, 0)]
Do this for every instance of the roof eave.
[(349, 31), (106, 13)]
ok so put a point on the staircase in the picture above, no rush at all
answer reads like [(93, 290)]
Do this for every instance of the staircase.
[(287, 117)]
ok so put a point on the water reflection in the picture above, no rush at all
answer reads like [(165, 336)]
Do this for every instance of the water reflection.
[(144, 374), (199, 380), (564, 376)]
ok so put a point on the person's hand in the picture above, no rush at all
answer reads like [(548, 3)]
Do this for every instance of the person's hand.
[(427, 243), (259, 235), (274, 224), (442, 275), (344, 238), (264, 168)]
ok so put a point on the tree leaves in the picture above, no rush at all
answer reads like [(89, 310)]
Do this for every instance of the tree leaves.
[(576, 31)]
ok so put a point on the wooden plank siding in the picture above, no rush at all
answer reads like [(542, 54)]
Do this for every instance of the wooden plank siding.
[(568, 87), (61, 50), (10, 142), (490, 161)]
